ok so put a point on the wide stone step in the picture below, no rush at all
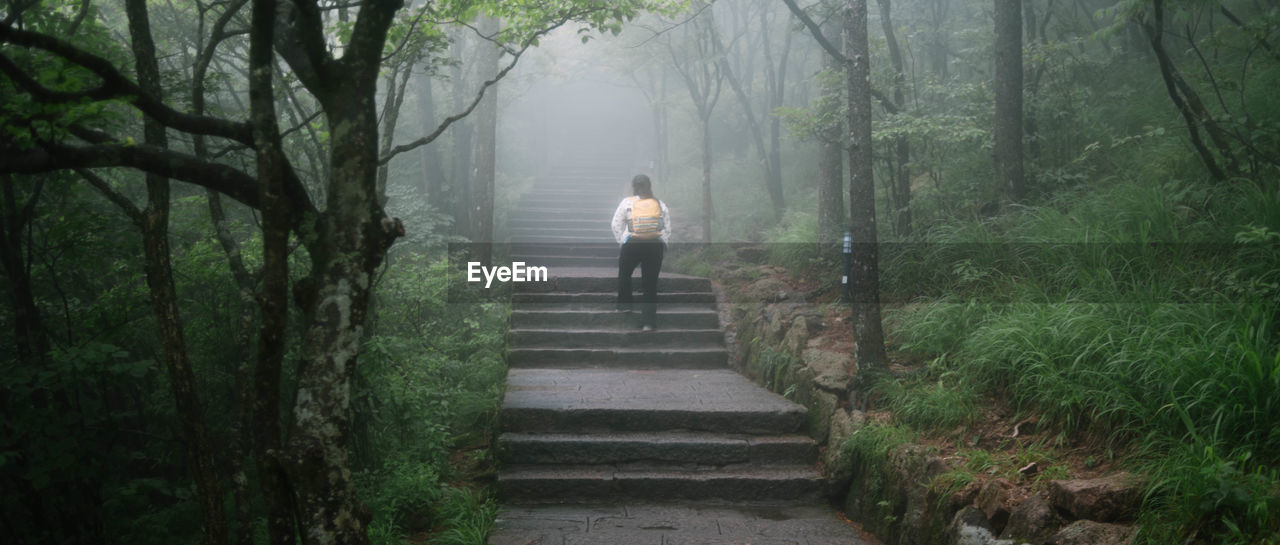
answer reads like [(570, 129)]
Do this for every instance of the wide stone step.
[(588, 200), (558, 484), (614, 338), (568, 210), (516, 224), (596, 299), (706, 356), (664, 523), (671, 446), (548, 243), (558, 261), (607, 400), (605, 279), (607, 248), (605, 318)]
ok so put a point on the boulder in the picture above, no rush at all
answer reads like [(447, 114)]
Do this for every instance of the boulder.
[(1088, 532), (993, 500), (796, 338), (1104, 499), (1032, 520), (821, 406), (766, 290), (971, 527), (830, 369), (774, 327), (835, 459)]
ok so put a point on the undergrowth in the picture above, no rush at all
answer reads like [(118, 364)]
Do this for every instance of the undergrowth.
[(425, 407), (1142, 315)]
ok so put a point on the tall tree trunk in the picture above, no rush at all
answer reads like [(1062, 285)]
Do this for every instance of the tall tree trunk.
[(831, 158), (433, 181), (486, 148), (240, 447), (1187, 101), (864, 283), (460, 181), (242, 407), (397, 82), (757, 136), (900, 176), (164, 297), (352, 239), (937, 40), (282, 515), (708, 211), (662, 133), (776, 78), (1008, 91)]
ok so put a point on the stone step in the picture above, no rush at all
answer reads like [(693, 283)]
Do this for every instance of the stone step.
[(671, 316), (596, 299), (552, 244), (706, 356), (567, 210), (605, 248), (614, 400), (516, 224), (558, 261), (605, 279), (586, 199), (615, 338), (556, 484), (669, 446), (665, 523)]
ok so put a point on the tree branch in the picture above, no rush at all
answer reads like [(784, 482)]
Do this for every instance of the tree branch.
[(816, 32), (515, 57), (51, 157), (104, 187), (116, 85)]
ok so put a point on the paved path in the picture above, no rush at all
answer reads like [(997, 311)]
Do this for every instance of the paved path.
[(649, 524), (615, 436)]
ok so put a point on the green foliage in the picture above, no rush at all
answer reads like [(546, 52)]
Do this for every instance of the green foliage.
[(924, 403), (873, 443), (774, 366), (1174, 349), (430, 379), (469, 518)]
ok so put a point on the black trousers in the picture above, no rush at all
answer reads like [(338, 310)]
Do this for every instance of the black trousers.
[(648, 255)]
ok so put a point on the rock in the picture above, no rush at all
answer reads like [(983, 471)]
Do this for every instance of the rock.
[(971, 527), (821, 406), (1088, 532), (797, 336), (964, 497), (752, 254), (830, 369), (1104, 499), (774, 327), (836, 459), (992, 499), (1032, 521), (766, 290)]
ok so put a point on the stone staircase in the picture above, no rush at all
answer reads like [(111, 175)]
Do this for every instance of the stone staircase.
[(597, 410)]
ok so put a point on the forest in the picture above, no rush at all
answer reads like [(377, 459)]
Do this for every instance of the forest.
[(230, 233)]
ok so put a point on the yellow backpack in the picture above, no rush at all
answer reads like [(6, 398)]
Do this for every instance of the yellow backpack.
[(646, 219)]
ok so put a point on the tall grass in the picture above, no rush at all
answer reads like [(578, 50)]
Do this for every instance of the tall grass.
[(1168, 350)]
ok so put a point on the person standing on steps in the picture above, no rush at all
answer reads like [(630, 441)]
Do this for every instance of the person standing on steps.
[(642, 225)]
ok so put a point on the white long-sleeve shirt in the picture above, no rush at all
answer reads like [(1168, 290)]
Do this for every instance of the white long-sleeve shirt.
[(622, 219)]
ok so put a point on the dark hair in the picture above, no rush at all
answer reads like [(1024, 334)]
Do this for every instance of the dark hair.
[(642, 187)]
